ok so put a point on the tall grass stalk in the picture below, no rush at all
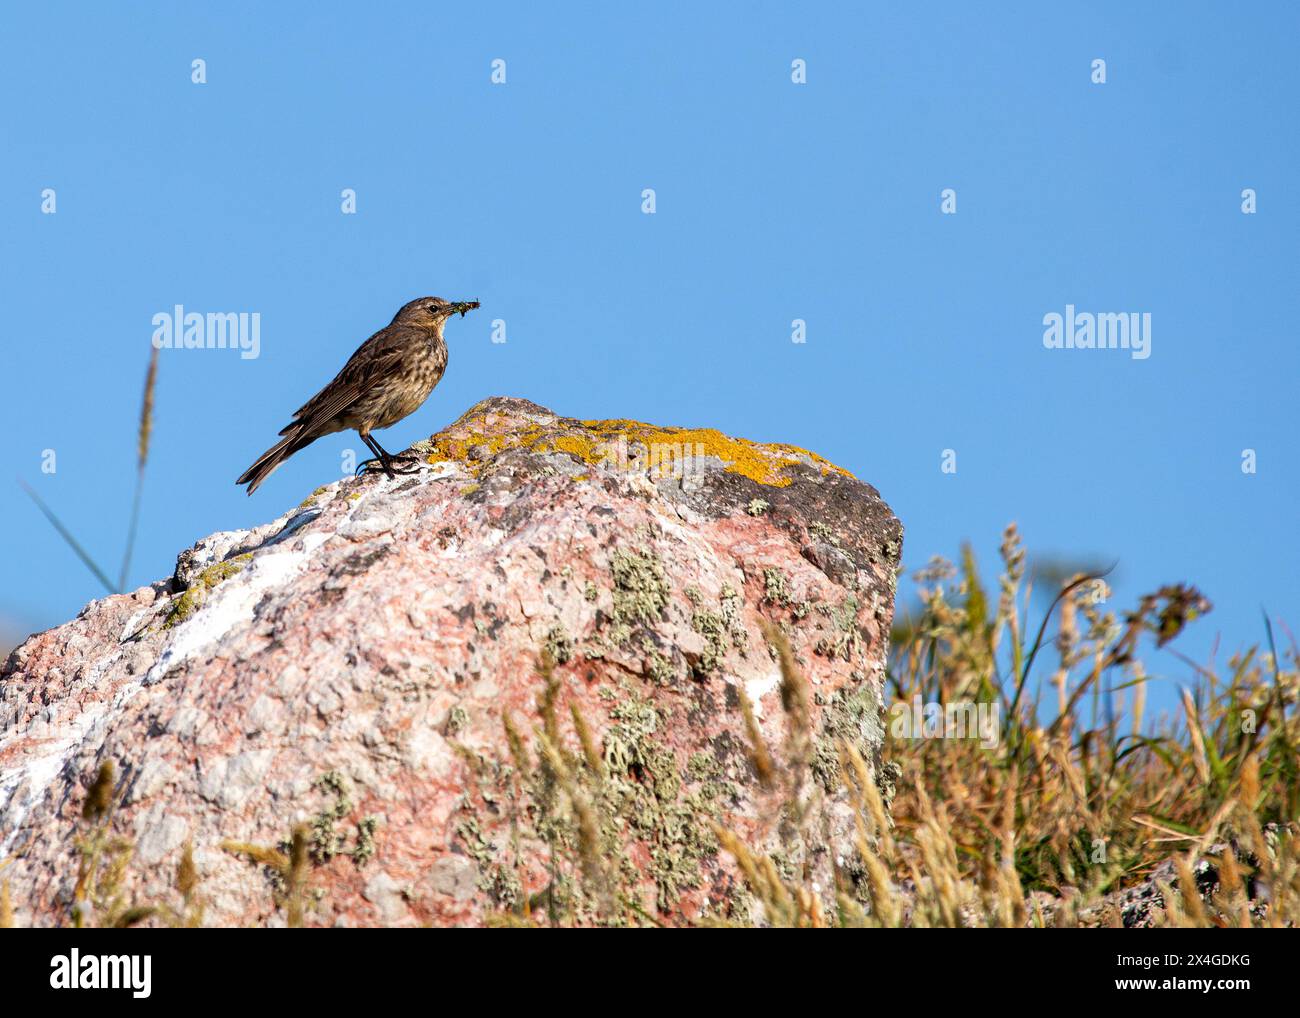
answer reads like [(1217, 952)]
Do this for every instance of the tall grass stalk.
[(143, 435)]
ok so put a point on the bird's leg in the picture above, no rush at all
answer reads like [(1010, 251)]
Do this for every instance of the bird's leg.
[(380, 457), (386, 459), (405, 457)]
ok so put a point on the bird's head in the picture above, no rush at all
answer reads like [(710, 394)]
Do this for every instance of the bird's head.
[(432, 311)]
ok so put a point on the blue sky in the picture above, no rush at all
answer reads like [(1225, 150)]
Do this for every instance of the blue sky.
[(774, 201)]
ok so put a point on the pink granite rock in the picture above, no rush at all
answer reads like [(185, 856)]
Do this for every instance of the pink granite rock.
[(349, 669)]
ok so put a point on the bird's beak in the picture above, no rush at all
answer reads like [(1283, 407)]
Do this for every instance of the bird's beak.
[(463, 306)]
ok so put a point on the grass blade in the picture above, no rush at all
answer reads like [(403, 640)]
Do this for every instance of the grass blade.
[(67, 536), (142, 458)]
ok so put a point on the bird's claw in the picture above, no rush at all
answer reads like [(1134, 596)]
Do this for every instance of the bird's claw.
[(389, 467)]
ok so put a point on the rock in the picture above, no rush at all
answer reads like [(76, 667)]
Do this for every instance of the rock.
[(352, 670)]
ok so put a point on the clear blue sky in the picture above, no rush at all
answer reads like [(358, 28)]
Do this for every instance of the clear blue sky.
[(775, 201)]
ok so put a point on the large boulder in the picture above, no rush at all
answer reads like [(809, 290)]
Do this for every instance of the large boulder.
[(367, 671)]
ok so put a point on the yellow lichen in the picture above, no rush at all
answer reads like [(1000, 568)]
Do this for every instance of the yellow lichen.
[(577, 445), (765, 463)]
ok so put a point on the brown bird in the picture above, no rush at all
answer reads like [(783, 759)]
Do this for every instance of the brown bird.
[(389, 377)]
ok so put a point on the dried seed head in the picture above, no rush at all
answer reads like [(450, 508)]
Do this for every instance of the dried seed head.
[(100, 796)]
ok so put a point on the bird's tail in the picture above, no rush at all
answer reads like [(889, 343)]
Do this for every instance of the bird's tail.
[(272, 458)]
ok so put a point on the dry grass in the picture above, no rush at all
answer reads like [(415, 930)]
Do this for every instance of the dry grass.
[(1087, 814), (143, 434), (1084, 811)]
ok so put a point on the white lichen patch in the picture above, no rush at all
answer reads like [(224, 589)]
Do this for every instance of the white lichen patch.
[(758, 688), (232, 603)]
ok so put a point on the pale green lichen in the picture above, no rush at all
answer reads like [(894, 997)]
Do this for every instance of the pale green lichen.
[(640, 591), (776, 592), (852, 714), (310, 500), (733, 619), (721, 629), (646, 790), (638, 792), (822, 532), (365, 847), (496, 880), (559, 644), (328, 839), (774, 588), (709, 624), (660, 669), (193, 598), (844, 639)]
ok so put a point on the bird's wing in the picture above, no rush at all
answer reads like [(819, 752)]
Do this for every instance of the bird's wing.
[(374, 360)]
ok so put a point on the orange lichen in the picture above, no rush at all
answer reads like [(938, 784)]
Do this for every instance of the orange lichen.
[(764, 463), (577, 445), (593, 442)]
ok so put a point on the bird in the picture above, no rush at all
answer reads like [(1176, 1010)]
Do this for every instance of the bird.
[(388, 378)]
